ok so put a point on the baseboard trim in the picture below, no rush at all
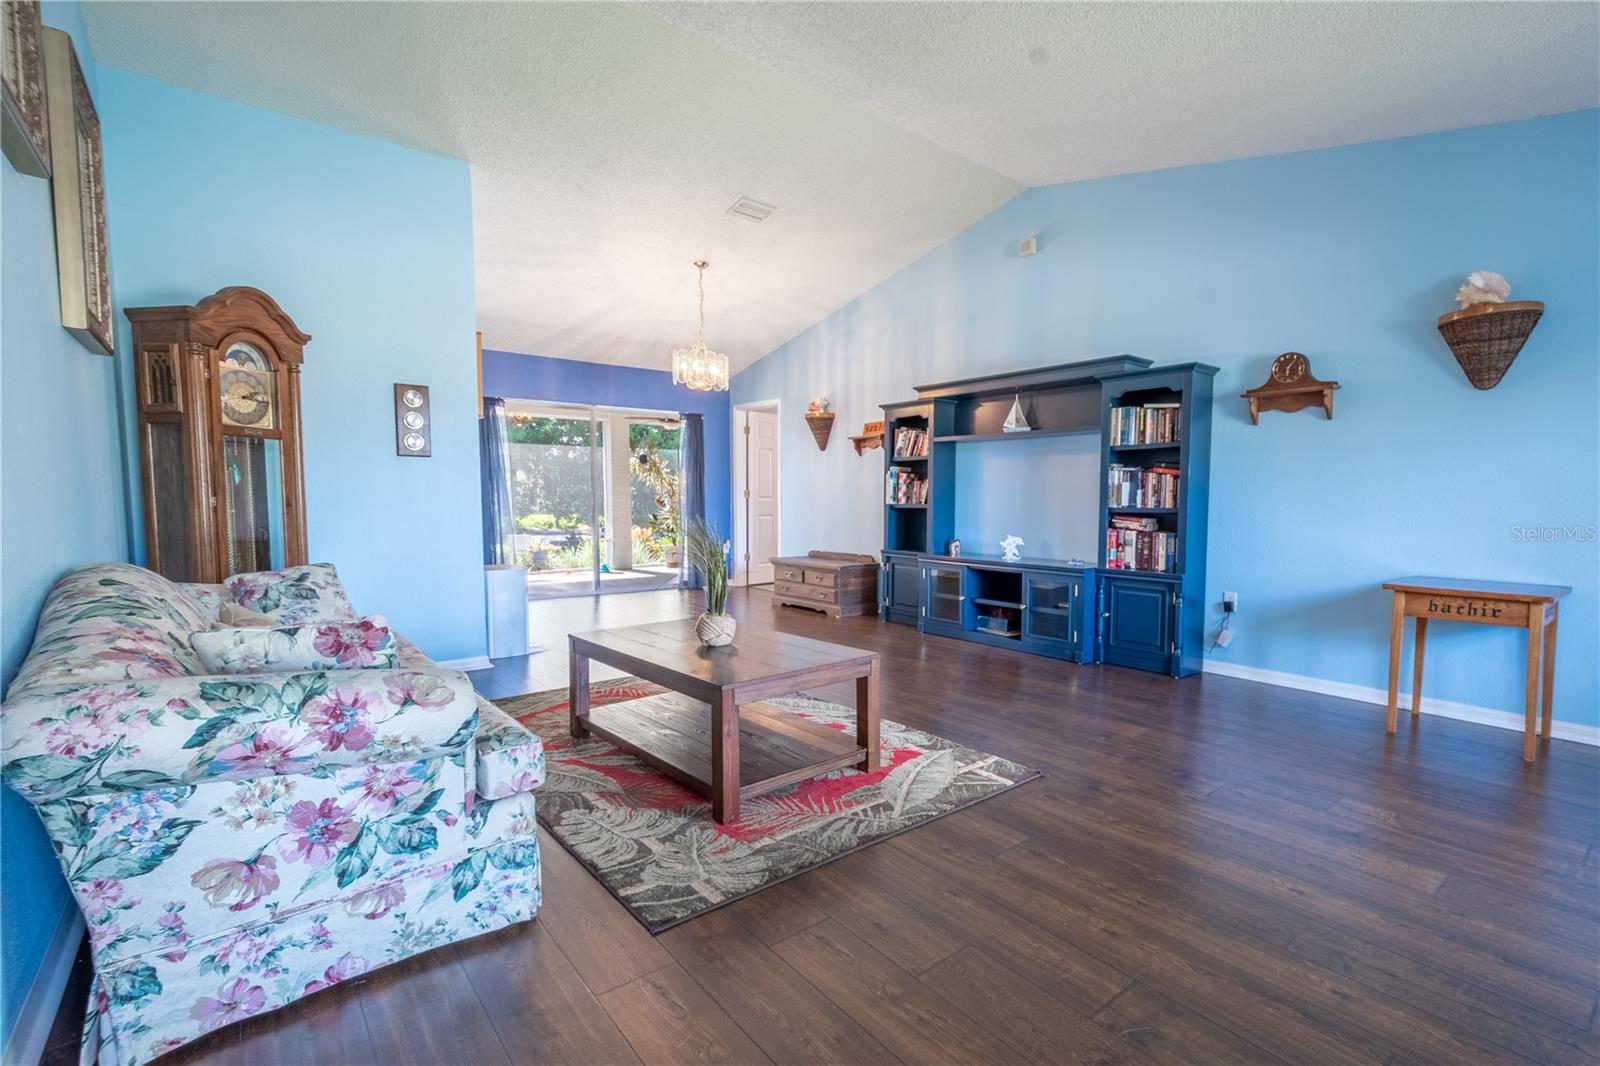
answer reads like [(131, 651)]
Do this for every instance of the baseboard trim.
[(475, 662), (1462, 712), (25, 1045)]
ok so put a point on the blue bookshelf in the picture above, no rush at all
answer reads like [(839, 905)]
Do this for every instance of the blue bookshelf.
[(1083, 611), (1152, 616)]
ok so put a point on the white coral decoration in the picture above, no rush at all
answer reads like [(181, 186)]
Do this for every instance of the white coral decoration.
[(1009, 546), (1483, 287)]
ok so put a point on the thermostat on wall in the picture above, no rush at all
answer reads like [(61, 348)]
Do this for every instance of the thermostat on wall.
[(1027, 246)]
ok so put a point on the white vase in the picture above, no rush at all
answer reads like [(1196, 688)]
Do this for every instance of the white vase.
[(715, 630)]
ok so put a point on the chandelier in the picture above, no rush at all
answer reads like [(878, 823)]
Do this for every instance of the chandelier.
[(699, 367)]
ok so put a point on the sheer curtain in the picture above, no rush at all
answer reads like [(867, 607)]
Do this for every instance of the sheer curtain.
[(692, 468), (495, 456)]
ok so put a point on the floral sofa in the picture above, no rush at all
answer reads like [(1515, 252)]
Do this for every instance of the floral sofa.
[(237, 841)]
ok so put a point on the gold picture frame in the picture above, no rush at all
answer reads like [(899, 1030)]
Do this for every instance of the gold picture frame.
[(25, 133), (78, 190)]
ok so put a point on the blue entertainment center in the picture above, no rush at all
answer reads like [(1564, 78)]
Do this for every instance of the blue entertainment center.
[(1141, 601)]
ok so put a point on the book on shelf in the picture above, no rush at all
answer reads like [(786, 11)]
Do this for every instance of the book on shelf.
[(904, 485), (1141, 549), (1151, 423), (1137, 486), (910, 443)]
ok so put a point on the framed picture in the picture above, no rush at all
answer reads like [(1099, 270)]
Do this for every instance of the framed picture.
[(78, 190), (25, 136)]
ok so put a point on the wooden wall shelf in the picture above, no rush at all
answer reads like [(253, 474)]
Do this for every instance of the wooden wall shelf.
[(871, 436), (1290, 387)]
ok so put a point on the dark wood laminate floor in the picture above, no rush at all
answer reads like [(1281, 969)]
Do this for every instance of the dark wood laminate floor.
[(1211, 871)]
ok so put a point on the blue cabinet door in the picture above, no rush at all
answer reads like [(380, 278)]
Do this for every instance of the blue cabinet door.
[(1136, 622), (1051, 607), (902, 589), (944, 599)]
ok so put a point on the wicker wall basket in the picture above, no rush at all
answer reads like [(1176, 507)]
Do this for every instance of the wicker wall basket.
[(1486, 338), (821, 428)]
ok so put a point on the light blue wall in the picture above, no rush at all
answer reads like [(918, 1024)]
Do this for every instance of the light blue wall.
[(1044, 490), (1348, 255), (368, 247), (538, 377), (61, 504)]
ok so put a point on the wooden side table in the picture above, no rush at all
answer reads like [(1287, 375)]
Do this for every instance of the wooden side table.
[(1490, 603)]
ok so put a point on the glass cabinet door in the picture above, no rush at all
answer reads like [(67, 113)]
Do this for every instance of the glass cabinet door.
[(944, 594), (252, 513), (1047, 601)]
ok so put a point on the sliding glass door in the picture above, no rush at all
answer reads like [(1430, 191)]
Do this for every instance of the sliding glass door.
[(596, 498)]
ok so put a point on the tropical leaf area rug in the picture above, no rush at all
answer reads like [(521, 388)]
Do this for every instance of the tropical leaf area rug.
[(653, 844)]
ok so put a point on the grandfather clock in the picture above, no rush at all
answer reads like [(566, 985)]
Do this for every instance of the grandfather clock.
[(219, 435)]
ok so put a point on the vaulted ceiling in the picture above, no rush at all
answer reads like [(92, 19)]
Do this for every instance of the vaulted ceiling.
[(607, 141)]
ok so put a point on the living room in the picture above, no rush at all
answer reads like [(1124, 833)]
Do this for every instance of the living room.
[(810, 532)]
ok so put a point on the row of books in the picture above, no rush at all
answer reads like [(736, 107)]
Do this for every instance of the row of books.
[(1136, 544), (1152, 423), (910, 443), (1135, 486), (905, 485)]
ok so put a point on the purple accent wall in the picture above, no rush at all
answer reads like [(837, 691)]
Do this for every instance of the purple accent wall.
[(511, 375)]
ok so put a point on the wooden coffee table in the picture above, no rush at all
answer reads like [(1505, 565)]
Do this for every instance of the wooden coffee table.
[(711, 732)]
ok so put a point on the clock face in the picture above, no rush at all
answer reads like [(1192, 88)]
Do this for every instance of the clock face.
[(411, 398), (1289, 368), (245, 382), (413, 420), (246, 398), (415, 441)]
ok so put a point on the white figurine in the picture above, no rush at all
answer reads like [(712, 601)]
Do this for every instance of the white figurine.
[(1009, 546)]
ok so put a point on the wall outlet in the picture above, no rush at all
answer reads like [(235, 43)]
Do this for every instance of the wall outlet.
[(1230, 602)]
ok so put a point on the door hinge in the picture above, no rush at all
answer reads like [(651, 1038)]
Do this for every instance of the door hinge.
[(747, 494), (747, 429)]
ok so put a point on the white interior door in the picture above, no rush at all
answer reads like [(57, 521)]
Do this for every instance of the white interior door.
[(761, 494)]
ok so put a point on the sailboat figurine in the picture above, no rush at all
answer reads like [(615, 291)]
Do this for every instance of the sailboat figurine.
[(1016, 421)]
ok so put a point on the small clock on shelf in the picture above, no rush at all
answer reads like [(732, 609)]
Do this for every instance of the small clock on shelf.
[(1290, 387), (413, 423)]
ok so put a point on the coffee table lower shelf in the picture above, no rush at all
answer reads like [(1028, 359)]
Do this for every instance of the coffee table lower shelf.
[(673, 733)]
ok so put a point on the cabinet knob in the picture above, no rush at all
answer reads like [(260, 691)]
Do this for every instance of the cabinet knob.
[(1105, 614)]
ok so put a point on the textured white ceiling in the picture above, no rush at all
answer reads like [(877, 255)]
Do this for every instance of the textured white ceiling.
[(606, 147), (607, 141), (1050, 92)]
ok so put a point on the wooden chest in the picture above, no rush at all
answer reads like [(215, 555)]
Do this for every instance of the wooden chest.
[(835, 583)]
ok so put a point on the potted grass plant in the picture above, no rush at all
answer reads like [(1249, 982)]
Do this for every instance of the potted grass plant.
[(707, 551)]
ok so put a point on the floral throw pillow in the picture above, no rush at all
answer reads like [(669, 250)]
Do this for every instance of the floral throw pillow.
[(293, 596), (358, 644)]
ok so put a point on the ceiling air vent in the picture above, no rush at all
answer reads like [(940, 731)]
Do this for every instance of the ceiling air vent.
[(754, 210)]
